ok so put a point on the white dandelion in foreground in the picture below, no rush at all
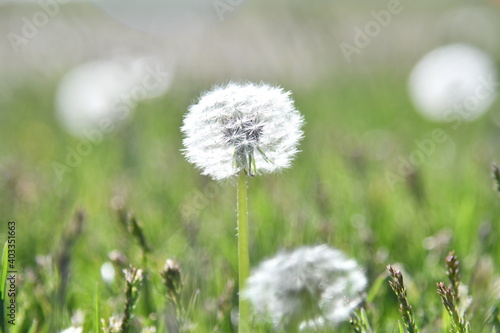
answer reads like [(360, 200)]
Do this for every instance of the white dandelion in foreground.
[(99, 94), (242, 127), (452, 82), (310, 286)]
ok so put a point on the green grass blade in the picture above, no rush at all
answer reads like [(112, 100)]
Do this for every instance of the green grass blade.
[(401, 328), (4, 270), (445, 321), (3, 284), (364, 319), (374, 290), (96, 310), (33, 327)]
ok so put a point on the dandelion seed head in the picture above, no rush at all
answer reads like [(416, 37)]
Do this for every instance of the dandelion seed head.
[(236, 127), (318, 283)]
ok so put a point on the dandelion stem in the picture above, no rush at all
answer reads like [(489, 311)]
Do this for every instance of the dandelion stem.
[(243, 257)]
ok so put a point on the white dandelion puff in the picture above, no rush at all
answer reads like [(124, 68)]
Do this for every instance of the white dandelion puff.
[(312, 285), (242, 127), (453, 81)]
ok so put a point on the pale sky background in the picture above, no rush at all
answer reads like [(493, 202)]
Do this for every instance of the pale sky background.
[(296, 41)]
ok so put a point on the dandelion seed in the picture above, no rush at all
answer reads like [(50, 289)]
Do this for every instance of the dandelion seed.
[(242, 127), (312, 285), (453, 82)]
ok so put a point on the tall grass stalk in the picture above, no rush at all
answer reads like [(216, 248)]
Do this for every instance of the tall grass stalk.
[(96, 310)]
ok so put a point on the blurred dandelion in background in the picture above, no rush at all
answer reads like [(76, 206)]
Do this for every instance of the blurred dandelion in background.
[(311, 286), (108, 272), (103, 93), (452, 82)]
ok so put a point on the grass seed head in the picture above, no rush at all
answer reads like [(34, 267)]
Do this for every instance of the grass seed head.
[(397, 285), (171, 275)]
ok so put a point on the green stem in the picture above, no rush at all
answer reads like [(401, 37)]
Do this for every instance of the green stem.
[(243, 257), (148, 299)]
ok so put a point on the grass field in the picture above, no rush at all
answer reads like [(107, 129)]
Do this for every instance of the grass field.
[(336, 193), (361, 130)]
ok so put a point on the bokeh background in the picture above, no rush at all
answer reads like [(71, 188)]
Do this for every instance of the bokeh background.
[(362, 128)]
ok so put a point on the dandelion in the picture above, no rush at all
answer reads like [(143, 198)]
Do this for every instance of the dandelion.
[(453, 81), (249, 127), (242, 129), (310, 286)]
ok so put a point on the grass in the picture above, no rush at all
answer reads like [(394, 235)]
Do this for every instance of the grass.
[(336, 193)]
